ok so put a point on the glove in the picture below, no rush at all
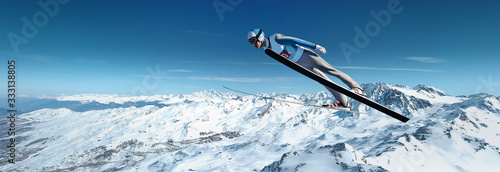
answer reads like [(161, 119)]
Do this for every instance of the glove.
[(320, 49)]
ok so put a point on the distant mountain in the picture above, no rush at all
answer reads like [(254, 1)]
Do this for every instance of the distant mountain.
[(214, 131)]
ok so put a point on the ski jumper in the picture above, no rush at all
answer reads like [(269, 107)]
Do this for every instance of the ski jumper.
[(300, 51)]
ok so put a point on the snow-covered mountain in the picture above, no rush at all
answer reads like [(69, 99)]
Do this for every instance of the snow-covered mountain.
[(214, 131)]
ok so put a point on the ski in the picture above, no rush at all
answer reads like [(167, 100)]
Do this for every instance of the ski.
[(299, 103), (335, 86)]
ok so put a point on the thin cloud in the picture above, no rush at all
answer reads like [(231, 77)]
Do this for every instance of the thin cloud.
[(392, 69), (226, 62), (157, 77), (233, 62), (180, 70), (427, 59), (243, 79), (38, 58)]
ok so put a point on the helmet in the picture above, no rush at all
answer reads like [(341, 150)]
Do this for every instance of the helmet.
[(256, 34)]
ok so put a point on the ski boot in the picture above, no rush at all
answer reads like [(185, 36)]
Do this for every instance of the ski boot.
[(359, 91), (339, 105)]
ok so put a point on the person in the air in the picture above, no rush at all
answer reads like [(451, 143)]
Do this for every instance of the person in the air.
[(301, 52)]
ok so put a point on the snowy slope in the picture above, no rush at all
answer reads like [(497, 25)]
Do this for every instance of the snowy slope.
[(213, 131)]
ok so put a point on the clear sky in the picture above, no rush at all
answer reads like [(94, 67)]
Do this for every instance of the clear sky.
[(176, 47)]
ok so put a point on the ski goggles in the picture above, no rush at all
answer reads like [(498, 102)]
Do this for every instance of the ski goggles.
[(254, 39)]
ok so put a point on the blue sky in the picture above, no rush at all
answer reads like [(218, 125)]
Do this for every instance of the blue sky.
[(177, 47)]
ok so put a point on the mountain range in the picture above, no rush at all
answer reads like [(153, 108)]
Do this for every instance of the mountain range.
[(226, 131)]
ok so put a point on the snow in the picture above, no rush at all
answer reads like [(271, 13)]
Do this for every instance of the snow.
[(213, 131), (106, 99), (434, 99)]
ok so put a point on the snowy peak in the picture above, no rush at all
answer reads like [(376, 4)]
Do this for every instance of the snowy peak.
[(419, 91), (429, 91), (410, 101), (338, 157), (480, 101), (402, 98)]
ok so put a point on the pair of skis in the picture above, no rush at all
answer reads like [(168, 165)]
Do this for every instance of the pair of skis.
[(335, 86)]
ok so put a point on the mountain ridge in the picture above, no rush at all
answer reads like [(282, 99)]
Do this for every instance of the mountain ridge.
[(214, 131)]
